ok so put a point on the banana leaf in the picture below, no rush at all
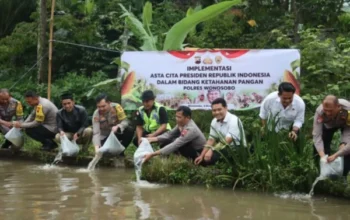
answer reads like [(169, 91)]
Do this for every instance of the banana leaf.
[(90, 92), (191, 11), (106, 82), (177, 34), (137, 28), (131, 97), (122, 64), (89, 7), (295, 64), (147, 16)]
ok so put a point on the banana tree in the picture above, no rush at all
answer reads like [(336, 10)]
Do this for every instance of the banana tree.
[(176, 36)]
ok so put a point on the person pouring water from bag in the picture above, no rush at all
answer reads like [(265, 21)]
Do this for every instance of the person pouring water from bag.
[(109, 117), (286, 108), (332, 115), (72, 121), (186, 137), (152, 118), (9, 108), (41, 123)]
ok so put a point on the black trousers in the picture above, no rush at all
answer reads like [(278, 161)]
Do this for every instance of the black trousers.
[(136, 140), (327, 136), (125, 138), (42, 135), (216, 157), (187, 150)]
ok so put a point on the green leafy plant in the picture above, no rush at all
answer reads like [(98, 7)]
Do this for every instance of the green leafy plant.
[(271, 163), (177, 34)]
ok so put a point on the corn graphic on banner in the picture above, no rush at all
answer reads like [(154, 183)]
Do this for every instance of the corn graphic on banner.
[(195, 77)]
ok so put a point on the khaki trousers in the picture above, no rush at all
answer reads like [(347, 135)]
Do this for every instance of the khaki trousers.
[(84, 139)]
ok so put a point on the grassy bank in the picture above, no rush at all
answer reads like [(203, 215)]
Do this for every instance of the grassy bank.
[(31, 151), (177, 170), (277, 164)]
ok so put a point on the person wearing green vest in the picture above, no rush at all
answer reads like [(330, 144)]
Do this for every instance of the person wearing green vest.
[(152, 118)]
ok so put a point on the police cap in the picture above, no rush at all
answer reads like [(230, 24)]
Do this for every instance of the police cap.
[(147, 95)]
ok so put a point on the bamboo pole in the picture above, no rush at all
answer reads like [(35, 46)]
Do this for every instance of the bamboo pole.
[(53, 3)]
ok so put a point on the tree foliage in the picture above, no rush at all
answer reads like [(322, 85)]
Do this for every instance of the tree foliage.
[(319, 28)]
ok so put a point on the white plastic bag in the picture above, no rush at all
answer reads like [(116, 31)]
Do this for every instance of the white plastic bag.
[(112, 145), (334, 168), (15, 136), (144, 148), (69, 148)]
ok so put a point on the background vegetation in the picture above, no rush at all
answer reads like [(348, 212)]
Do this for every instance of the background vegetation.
[(320, 29)]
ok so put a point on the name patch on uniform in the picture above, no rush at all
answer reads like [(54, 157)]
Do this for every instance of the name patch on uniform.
[(184, 132), (39, 114)]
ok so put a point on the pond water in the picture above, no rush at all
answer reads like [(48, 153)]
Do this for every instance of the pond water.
[(36, 191)]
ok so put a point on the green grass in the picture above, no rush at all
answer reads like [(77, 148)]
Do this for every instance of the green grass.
[(277, 164), (176, 169)]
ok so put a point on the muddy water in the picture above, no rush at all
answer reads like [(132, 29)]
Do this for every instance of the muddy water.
[(36, 191)]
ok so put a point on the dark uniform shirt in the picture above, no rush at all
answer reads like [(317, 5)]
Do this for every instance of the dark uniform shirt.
[(75, 121), (189, 134), (163, 117)]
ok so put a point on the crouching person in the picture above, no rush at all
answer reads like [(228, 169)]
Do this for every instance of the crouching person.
[(9, 108), (110, 117), (229, 125), (186, 137), (152, 118), (332, 115), (72, 121), (41, 123)]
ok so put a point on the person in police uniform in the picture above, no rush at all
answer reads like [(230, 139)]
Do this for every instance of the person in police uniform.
[(109, 117), (152, 118), (186, 137), (185, 100), (41, 123), (72, 121), (333, 114), (9, 108)]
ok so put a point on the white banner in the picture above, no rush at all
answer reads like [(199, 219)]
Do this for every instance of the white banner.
[(196, 78)]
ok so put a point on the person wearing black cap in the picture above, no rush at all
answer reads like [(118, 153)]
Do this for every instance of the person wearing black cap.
[(152, 118), (72, 121)]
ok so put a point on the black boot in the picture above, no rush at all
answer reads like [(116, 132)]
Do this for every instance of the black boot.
[(49, 145), (6, 145)]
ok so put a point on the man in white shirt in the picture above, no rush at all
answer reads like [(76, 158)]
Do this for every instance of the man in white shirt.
[(229, 125), (286, 107)]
